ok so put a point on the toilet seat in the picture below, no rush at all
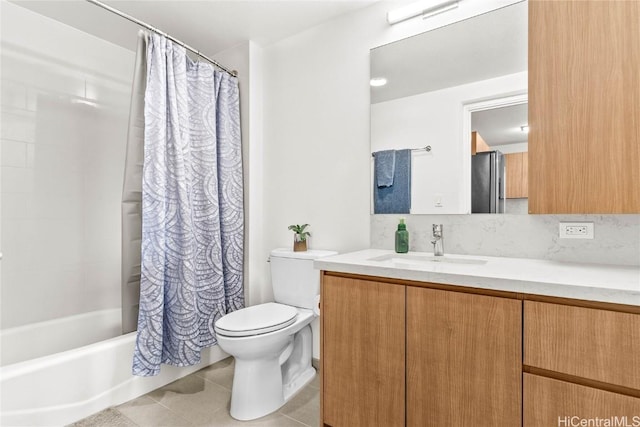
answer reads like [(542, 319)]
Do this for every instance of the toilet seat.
[(256, 320)]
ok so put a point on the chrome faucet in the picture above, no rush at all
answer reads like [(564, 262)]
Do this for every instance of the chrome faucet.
[(438, 246)]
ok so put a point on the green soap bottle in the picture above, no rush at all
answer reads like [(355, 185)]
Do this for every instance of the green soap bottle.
[(402, 238)]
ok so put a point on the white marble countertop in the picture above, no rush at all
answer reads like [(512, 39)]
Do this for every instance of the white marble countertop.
[(593, 282)]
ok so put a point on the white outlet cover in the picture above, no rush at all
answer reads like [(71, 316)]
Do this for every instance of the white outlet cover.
[(567, 230)]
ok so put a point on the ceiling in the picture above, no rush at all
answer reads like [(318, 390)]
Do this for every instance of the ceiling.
[(210, 26), (501, 126)]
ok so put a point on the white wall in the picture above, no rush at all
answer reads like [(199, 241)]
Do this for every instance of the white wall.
[(436, 119), (62, 166), (258, 281)]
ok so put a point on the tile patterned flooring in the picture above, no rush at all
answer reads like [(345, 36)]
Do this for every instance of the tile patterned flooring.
[(202, 399)]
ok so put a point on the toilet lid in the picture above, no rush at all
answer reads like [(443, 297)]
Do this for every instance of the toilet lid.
[(256, 320)]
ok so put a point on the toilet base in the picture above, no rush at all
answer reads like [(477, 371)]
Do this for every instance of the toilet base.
[(256, 401), (262, 386), (257, 389), (298, 384)]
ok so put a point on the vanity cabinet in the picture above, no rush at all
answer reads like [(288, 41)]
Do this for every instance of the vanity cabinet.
[(584, 104), (397, 352), (457, 355)]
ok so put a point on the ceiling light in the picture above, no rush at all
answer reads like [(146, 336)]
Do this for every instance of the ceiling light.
[(378, 81), (83, 101), (525, 128), (426, 8)]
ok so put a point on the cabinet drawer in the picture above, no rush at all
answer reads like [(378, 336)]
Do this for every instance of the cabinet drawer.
[(596, 344), (550, 402)]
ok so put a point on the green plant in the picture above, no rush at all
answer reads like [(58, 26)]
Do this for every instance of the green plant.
[(299, 230)]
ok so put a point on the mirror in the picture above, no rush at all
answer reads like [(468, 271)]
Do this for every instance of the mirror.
[(500, 129), (442, 85)]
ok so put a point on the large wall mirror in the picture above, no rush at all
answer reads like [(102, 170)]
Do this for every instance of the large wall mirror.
[(448, 128)]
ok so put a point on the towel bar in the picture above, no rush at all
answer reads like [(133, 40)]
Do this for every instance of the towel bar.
[(427, 149)]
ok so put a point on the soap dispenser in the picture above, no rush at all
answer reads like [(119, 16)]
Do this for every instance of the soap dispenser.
[(402, 238)]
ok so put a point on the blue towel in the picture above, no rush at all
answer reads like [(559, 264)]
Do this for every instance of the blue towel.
[(384, 165), (397, 198)]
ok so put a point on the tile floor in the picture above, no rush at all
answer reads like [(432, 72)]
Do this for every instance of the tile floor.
[(202, 399)]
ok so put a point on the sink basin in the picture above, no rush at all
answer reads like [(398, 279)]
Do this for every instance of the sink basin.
[(425, 259)]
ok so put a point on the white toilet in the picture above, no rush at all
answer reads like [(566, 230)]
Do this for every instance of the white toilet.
[(272, 342)]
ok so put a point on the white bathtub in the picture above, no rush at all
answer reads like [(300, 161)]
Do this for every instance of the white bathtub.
[(44, 338), (68, 386)]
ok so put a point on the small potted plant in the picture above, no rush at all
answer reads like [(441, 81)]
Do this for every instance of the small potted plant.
[(299, 237)]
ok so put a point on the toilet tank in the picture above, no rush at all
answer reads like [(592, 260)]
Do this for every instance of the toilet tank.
[(294, 280)]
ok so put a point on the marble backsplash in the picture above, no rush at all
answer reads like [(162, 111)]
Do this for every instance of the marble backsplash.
[(616, 237)]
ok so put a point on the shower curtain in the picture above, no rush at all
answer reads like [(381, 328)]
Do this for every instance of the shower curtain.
[(192, 208)]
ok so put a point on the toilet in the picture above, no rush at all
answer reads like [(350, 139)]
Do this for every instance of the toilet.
[(272, 343)]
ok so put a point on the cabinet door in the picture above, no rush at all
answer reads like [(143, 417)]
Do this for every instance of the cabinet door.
[(363, 353), (464, 359), (478, 144), (550, 402), (516, 175), (584, 105)]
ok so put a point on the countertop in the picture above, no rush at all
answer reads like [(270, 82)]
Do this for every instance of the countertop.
[(592, 282)]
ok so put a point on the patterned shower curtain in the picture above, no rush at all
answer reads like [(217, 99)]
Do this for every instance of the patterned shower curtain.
[(192, 208)]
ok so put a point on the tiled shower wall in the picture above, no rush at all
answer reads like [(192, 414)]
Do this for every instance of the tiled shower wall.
[(65, 104), (617, 237)]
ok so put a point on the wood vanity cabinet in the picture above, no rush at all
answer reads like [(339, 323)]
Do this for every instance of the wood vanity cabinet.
[(584, 104), (457, 355), (405, 353), (580, 362)]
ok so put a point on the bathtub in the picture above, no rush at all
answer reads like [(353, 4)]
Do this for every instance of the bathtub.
[(54, 336), (67, 386)]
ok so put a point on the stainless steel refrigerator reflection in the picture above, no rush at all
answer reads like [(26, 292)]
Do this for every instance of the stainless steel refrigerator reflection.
[(487, 182)]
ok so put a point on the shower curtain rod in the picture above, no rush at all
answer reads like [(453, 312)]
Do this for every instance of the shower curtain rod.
[(233, 73)]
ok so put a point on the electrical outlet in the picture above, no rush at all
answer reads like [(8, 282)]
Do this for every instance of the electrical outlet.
[(576, 230)]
